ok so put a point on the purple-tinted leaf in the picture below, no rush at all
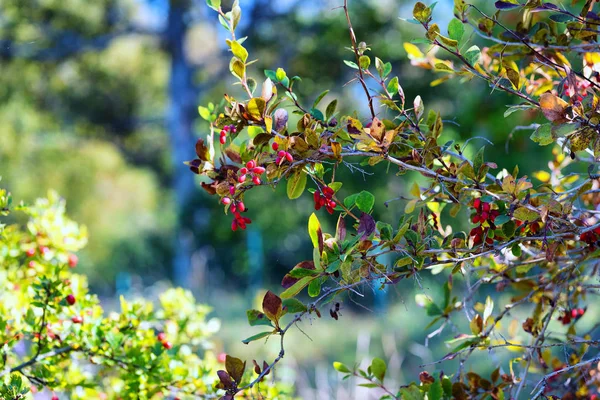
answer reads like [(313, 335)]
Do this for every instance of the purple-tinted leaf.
[(272, 306), (366, 226), (505, 5), (341, 229), (225, 379), (288, 281)]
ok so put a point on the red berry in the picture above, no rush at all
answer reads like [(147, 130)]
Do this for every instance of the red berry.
[(250, 164), (241, 206), (31, 264), (226, 200), (332, 204), (289, 157), (77, 319), (232, 190), (30, 252), (161, 337), (275, 146), (281, 153), (485, 207), (234, 225), (233, 208), (222, 139), (243, 171), (484, 216), (574, 313), (70, 299), (477, 203), (580, 311), (54, 397), (242, 178), (73, 260), (225, 128), (256, 180), (277, 160), (44, 250), (233, 129), (475, 219), (167, 345), (258, 170)]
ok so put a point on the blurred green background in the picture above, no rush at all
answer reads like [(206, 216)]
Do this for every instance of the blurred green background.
[(99, 101)]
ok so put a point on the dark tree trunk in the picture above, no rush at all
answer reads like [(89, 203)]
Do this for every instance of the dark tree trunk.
[(180, 120)]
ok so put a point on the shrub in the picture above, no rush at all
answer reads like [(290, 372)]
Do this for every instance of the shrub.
[(536, 242)]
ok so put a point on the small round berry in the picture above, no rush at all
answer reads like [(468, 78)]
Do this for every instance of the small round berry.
[(73, 260), (243, 171), (226, 128), (167, 345), (259, 170), (233, 208), (256, 180), (289, 157), (281, 153), (54, 397), (242, 179), (30, 252), (574, 313), (251, 164), (221, 357), (475, 219), (580, 311), (233, 129), (44, 250), (484, 216), (485, 207), (77, 319), (232, 190), (71, 299), (161, 337), (31, 264), (241, 206), (477, 203), (226, 200), (332, 204), (234, 225), (222, 140), (275, 146)]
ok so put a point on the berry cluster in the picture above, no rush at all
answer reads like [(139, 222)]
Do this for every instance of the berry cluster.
[(162, 338), (571, 315), (223, 133), (579, 91), (323, 198), (252, 171), (591, 237), (483, 214)]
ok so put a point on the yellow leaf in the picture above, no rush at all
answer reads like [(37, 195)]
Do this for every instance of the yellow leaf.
[(413, 51), (543, 176), (553, 107)]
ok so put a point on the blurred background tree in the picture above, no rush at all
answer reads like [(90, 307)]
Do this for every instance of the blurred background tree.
[(99, 101)]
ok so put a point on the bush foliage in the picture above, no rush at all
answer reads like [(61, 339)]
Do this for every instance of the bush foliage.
[(536, 242)]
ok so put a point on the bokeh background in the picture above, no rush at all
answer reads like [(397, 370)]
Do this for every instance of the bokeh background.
[(98, 100)]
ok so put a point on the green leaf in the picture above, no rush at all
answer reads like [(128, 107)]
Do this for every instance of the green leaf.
[(393, 86), (314, 288), (214, 4), (543, 135), (519, 107), (204, 113), (338, 366), (256, 337), (256, 318), (456, 29), (478, 160), (294, 306), (314, 229), (378, 368), (319, 98), (435, 390), (236, 15), (364, 62), (350, 201), (235, 368), (331, 109), (430, 307), (296, 287), (351, 64), (365, 201), (524, 214), (411, 393), (237, 68), (272, 75), (239, 51), (473, 55), (296, 184)]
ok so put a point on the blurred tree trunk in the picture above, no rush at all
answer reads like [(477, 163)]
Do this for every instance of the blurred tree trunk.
[(180, 120)]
